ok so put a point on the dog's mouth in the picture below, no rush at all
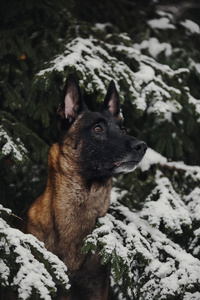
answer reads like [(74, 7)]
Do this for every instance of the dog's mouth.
[(123, 163), (117, 164), (120, 164), (122, 167), (125, 167)]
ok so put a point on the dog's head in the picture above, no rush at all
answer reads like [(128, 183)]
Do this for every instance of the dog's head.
[(97, 141)]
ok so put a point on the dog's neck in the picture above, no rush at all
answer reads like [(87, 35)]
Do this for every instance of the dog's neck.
[(77, 206), (71, 178)]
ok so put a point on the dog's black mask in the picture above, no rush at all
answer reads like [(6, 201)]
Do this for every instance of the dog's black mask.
[(106, 149)]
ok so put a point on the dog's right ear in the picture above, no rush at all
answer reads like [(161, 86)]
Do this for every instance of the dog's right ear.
[(72, 103)]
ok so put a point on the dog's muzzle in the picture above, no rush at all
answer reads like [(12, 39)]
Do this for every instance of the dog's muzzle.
[(135, 150)]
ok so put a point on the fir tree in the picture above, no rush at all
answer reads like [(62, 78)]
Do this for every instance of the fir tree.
[(150, 236)]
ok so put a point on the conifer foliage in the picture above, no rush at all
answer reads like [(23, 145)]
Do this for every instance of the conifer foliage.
[(150, 236)]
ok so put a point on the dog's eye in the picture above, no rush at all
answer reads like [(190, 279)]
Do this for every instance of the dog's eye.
[(97, 128)]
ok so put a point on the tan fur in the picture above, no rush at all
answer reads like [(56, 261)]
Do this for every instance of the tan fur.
[(67, 210)]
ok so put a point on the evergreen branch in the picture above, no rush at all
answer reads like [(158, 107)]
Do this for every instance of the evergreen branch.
[(13, 141), (35, 267)]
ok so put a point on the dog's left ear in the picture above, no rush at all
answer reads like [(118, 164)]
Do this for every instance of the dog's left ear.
[(112, 101), (72, 103)]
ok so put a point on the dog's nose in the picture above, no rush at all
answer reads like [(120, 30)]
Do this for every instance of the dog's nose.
[(138, 146)]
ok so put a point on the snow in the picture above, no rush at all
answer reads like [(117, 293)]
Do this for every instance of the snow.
[(6, 210), (162, 23), (93, 63), (102, 26), (195, 246), (191, 296), (134, 240), (196, 103), (169, 268), (17, 148), (193, 171), (160, 107), (84, 55), (5, 272), (146, 73), (195, 65), (151, 158), (140, 103), (31, 273), (168, 208), (193, 203), (191, 26), (165, 14), (99, 62), (154, 47), (115, 194)]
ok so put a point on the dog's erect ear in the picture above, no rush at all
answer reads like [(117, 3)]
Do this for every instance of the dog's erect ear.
[(72, 103), (112, 101)]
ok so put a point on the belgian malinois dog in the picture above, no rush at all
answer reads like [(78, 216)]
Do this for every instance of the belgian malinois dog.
[(93, 146)]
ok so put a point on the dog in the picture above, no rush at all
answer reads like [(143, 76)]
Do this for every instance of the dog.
[(92, 147)]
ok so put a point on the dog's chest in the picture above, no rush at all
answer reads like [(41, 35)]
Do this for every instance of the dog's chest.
[(100, 199)]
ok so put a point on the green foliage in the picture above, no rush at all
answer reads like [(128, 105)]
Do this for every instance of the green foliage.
[(150, 250), (26, 266), (14, 135), (148, 87), (150, 237)]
